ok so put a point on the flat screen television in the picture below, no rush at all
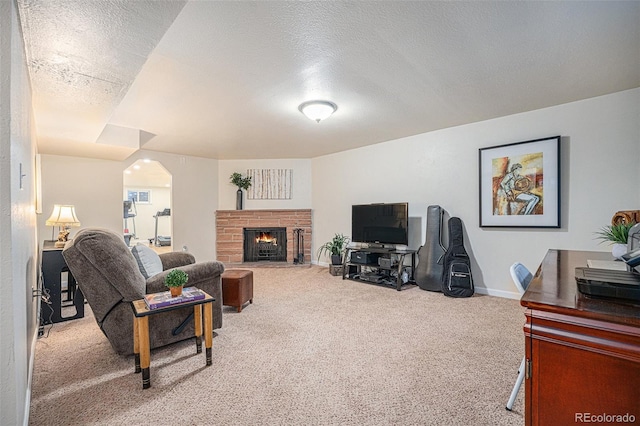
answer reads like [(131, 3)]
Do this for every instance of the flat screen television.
[(380, 223)]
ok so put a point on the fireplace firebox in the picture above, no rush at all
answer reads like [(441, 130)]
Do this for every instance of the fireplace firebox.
[(265, 244)]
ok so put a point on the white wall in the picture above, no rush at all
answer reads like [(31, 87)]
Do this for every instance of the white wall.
[(18, 247), (194, 200), (434, 168), (95, 188), (600, 149), (600, 153), (301, 186), (200, 186)]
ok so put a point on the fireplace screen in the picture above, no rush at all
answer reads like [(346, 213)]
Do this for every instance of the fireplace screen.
[(265, 244)]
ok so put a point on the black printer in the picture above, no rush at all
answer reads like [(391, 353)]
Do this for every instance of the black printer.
[(609, 283)]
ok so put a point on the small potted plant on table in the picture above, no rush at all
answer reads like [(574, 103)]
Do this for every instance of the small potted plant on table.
[(335, 248), (175, 280)]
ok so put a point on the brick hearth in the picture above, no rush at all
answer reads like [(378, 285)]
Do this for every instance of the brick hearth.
[(231, 223)]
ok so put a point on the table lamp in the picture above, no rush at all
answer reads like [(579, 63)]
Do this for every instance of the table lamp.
[(63, 216)]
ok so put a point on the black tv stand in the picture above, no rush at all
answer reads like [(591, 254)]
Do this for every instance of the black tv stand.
[(377, 249), (379, 265)]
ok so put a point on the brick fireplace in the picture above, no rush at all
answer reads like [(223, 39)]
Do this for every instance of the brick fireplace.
[(230, 226)]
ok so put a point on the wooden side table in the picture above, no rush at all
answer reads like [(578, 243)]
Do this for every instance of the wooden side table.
[(141, 347)]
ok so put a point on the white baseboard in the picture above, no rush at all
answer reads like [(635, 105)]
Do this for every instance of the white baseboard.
[(32, 361), (498, 293)]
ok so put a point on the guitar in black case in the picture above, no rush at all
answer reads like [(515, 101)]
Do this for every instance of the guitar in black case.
[(456, 278), (428, 273)]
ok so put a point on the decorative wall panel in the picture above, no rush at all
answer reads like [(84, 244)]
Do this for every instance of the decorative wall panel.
[(270, 184)]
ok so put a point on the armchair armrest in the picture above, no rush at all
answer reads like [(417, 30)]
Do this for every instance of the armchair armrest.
[(198, 273), (176, 258)]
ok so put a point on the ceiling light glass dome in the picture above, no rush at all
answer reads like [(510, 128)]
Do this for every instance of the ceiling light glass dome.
[(318, 110)]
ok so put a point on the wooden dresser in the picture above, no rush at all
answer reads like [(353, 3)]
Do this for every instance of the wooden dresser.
[(583, 354)]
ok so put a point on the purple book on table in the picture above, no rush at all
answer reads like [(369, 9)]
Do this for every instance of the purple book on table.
[(162, 299)]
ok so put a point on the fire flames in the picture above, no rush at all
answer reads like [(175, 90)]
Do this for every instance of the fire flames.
[(265, 237)]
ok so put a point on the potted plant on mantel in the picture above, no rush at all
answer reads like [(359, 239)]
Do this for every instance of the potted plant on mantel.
[(175, 280), (335, 248), (616, 235), (242, 183)]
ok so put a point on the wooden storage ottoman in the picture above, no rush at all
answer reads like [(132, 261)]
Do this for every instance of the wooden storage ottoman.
[(237, 288)]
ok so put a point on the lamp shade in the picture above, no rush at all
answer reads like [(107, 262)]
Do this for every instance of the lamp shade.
[(63, 215), (318, 110)]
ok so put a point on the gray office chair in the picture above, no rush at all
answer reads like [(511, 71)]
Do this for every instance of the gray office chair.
[(521, 278)]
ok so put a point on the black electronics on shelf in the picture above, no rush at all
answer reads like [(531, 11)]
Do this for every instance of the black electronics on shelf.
[(364, 257), (379, 266)]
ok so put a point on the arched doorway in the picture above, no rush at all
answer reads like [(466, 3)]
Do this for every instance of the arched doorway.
[(147, 205)]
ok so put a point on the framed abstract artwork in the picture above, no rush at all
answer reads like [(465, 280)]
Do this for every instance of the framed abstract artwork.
[(270, 184), (520, 184)]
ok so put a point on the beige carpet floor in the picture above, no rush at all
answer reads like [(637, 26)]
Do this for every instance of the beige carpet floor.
[(312, 349)]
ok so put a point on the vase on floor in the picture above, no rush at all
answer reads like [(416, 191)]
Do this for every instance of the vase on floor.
[(239, 199)]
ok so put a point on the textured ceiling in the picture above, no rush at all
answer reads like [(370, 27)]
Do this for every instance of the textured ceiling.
[(224, 79)]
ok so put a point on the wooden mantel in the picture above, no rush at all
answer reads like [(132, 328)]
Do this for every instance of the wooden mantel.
[(230, 225)]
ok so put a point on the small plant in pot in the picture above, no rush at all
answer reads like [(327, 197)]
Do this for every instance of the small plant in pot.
[(335, 248), (616, 235), (175, 280)]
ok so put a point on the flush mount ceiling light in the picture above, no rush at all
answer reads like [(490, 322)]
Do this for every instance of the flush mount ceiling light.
[(317, 110)]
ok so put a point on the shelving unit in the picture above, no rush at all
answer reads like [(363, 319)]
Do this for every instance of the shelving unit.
[(53, 266), (379, 266)]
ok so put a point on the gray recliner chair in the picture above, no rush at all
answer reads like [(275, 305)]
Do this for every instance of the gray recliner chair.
[(109, 276)]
